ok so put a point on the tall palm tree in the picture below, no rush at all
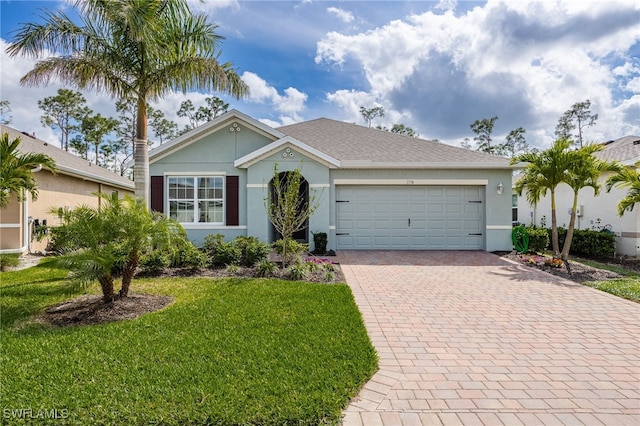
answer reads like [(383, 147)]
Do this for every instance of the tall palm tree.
[(626, 177), (142, 47), (544, 172), (584, 171), (16, 170)]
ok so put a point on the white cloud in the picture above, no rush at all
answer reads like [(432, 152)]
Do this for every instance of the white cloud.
[(290, 104), (343, 15), (526, 62), (447, 5), (211, 6)]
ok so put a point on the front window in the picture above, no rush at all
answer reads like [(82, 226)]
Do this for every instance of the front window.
[(196, 199)]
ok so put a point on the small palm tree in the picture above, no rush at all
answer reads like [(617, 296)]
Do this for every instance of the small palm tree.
[(107, 242), (16, 170), (544, 172), (584, 171), (144, 48), (626, 177)]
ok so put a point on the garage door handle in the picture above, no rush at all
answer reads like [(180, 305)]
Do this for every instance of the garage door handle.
[(476, 234), (475, 201), (342, 201), (409, 222), (342, 233)]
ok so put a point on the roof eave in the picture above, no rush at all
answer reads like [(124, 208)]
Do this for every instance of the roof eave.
[(70, 171), (268, 150), (357, 164)]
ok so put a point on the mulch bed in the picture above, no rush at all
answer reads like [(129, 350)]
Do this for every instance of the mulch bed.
[(91, 309), (579, 272)]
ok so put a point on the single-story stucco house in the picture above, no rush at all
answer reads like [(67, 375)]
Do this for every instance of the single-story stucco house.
[(594, 212), (376, 189), (74, 184)]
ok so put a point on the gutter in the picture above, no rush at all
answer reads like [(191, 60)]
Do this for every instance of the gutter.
[(357, 164), (98, 179)]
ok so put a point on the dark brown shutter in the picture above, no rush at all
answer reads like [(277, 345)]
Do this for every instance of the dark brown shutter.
[(157, 193), (232, 200)]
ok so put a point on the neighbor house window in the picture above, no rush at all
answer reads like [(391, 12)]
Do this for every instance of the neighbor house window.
[(195, 199), (514, 209)]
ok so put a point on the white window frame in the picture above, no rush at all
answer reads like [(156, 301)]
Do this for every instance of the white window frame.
[(196, 200)]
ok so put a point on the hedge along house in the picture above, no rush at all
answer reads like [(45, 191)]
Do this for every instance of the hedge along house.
[(74, 184), (376, 189)]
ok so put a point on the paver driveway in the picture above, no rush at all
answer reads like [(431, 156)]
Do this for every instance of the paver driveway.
[(469, 338)]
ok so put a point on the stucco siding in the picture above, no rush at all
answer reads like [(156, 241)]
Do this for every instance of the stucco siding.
[(54, 191)]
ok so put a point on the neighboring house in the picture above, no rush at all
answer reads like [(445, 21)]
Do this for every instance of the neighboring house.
[(593, 212), (376, 189), (73, 185)]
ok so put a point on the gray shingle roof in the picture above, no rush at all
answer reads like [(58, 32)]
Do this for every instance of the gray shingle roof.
[(353, 144), (624, 149), (67, 163)]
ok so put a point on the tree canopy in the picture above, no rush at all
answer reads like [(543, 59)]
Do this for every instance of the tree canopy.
[(141, 48)]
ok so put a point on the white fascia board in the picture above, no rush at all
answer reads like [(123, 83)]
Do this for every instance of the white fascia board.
[(416, 182), (207, 129), (268, 150), (354, 164), (99, 179)]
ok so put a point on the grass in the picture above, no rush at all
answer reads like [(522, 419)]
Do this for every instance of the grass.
[(627, 287), (608, 267), (230, 351)]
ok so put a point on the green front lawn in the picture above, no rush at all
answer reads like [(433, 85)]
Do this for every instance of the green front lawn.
[(228, 351), (628, 288)]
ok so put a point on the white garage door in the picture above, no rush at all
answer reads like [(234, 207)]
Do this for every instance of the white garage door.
[(410, 217)]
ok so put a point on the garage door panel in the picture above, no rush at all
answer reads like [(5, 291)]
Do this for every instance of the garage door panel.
[(440, 217), (436, 207)]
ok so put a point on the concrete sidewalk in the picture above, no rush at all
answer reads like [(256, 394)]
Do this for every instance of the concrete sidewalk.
[(469, 338)]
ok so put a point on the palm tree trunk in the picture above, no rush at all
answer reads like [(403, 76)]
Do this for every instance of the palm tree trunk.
[(106, 285), (128, 272), (567, 241), (554, 227), (141, 154)]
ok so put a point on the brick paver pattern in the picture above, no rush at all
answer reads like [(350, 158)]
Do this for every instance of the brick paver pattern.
[(470, 338)]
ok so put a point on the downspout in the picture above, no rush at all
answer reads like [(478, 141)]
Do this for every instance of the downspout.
[(26, 224)]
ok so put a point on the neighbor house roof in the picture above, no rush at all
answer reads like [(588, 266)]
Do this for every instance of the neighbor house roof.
[(362, 147), (625, 150), (67, 163)]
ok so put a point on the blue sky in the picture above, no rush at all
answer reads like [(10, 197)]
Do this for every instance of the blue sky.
[(435, 66)]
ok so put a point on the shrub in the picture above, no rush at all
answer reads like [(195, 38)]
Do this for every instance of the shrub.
[(9, 260), (252, 250), (298, 271), (290, 250), (227, 254), (589, 243), (320, 242), (329, 276), (266, 268), (233, 269), (211, 244), (329, 267), (154, 262), (538, 239), (188, 256)]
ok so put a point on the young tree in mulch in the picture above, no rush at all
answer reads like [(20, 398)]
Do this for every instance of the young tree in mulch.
[(102, 243), (287, 211)]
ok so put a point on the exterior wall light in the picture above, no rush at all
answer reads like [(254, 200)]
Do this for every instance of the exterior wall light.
[(500, 188)]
